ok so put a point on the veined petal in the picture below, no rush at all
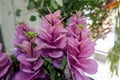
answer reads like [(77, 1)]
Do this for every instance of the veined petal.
[(45, 24), (55, 54), (21, 76), (88, 65), (60, 37), (78, 70), (22, 59), (57, 62), (45, 36), (31, 59), (57, 13), (73, 58), (33, 76), (50, 46), (71, 30), (38, 65), (87, 51), (27, 71), (86, 42), (3, 58), (4, 70), (78, 76), (84, 34)]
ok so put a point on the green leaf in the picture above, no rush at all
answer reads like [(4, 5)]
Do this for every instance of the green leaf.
[(33, 18), (31, 5), (46, 71), (67, 21), (63, 63), (18, 12), (15, 62), (31, 34), (51, 71), (119, 14), (53, 4), (59, 2)]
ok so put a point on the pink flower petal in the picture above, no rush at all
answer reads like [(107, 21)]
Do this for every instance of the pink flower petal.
[(57, 13), (21, 76), (57, 62), (45, 24), (84, 34), (87, 51), (45, 35), (59, 38), (27, 71), (38, 65), (55, 54), (4, 70), (31, 59), (3, 59), (22, 59), (88, 65), (78, 76)]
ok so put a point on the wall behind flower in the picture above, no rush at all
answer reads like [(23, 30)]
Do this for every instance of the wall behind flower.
[(22, 14), (8, 19), (7, 22)]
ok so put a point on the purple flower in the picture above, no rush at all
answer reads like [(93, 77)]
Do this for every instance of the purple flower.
[(5, 64), (28, 54), (79, 49), (78, 19), (21, 33), (24, 36), (30, 65), (53, 37), (30, 68)]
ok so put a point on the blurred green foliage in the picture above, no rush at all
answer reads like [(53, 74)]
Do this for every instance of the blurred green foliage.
[(114, 53), (94, 10), (32, 18), (18, 12)]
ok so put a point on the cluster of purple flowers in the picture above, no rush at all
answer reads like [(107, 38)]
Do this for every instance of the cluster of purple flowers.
[(55, 42), (28, 54), (79, 49), (53, 36)]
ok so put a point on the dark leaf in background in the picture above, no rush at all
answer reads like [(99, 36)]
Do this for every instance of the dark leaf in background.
[(1, 39), (31, 5), (70, 6), (59, 2), (18, 12), (91, 78), (63, 63), (53, 4), (15, 62), (32, 18)]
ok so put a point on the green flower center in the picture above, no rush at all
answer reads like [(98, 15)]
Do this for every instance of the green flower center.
[(31, 34), (81, 26)]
